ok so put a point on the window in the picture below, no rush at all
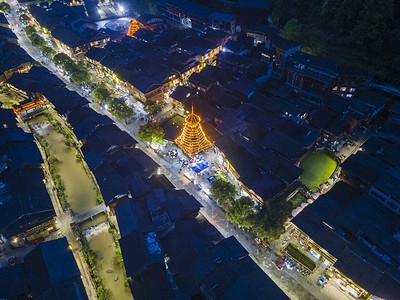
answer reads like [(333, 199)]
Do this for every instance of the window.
[(343, 89), (349, 95), (352, 90), (390, 204)]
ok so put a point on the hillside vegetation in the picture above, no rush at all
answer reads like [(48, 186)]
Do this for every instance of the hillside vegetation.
[(359, 33)]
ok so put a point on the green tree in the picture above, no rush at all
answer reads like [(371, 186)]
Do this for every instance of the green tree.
[(268, 223), (150, 132), (48, 51), (78, 72), (374, 21), (62, 59), (29, 30), (24, 19), (79, 75), (290, 30), (102, 94), (241, 212), (223, 191), (5, 7), (119, 109), (152, 107), (37, 40)]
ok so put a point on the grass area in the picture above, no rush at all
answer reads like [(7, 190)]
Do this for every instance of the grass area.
[(298, 199), (318, 167), (300, 257)]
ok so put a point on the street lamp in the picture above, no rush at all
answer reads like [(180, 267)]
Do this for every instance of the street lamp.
[(121, 8)]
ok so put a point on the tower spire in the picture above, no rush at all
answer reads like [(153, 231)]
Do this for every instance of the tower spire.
[(193, 139)]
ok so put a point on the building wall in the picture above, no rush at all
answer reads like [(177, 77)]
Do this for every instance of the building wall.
[(308, 88)]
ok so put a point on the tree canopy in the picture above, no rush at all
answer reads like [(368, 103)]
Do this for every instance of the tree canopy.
[(151, 107), (290, 30), (119, 109), (80, 76), (268, 223), (5, 7), (47, 51), (29, 30), (78, 72), (37, 40), (223, 191), (150, 132), (359, 34), (62, 59), (102, 94), (241, 212)]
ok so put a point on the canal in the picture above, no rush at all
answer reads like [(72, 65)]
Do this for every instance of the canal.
[(80, 191)]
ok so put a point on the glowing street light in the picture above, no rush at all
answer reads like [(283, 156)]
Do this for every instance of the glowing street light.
[(121, 8), (99, 11)]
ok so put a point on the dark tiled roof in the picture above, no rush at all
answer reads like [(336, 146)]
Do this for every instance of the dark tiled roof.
[(379, 148), (320, 62), (132, 215), (7, 34), (337, 103), (13, 283), (102, 140), (285, 44), (112, 185), (96, 53), (365, 167), (29, 203), (329, 121), (22, 154), (7, 116), (65, 100), (181, 92), (3, 19), (53, 273), (222, 16), (12, 56), (140, 252), (68, 37), (84, 121)]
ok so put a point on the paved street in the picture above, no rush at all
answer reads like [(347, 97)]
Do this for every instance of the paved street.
[(292, 282)]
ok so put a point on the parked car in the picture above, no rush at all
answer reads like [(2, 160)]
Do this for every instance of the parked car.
[(322, 280)]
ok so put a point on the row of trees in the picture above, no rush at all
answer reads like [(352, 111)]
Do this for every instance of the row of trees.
[(266, 222), (77, 71), (359, 33), (117, 107), (38, 41)]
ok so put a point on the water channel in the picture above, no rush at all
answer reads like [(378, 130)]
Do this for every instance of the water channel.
[(81, 196)]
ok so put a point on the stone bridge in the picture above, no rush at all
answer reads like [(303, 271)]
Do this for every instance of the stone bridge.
[(89, 214)]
